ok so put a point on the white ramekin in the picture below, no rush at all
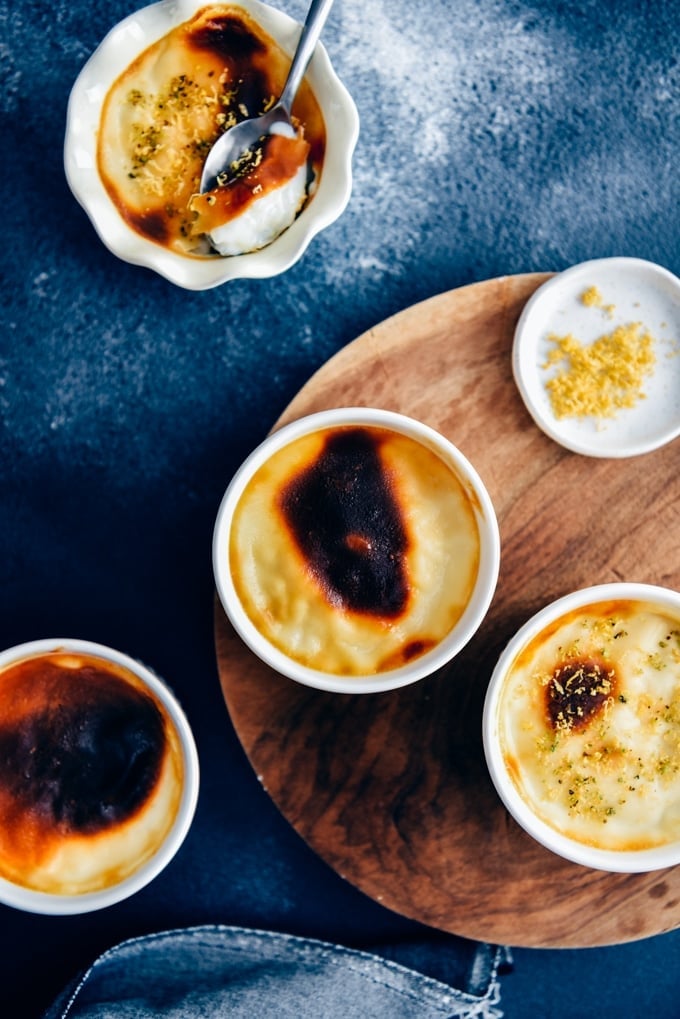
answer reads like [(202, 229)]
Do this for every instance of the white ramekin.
[(48, 903), (623, 861), (479, 601)]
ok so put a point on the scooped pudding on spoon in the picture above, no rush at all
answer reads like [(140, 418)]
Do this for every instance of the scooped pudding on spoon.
[(163, 115), (259, 200)]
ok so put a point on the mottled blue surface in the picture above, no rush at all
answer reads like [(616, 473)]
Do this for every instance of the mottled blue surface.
[(498, 136)]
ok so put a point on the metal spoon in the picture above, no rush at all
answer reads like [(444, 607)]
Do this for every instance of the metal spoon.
[(239, 139)]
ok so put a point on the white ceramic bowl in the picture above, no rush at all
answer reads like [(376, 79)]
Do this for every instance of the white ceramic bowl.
[(57, 904), (484, 586), (632, 290), (623, 860), (119, 48)]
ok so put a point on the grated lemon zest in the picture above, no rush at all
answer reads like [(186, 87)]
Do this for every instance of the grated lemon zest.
[(602, 378)]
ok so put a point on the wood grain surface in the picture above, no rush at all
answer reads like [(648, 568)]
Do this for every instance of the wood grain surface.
[(391, 789)]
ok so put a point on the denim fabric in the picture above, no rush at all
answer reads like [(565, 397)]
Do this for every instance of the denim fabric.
[(245, 974)]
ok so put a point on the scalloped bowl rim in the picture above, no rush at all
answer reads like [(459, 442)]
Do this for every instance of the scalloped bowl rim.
[(118, 49)]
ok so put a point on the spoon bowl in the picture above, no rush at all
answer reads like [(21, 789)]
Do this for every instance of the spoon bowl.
[(226, 157)]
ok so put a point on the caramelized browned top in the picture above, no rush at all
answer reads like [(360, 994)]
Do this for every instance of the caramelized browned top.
[(347, 523), (256, 68), (577, 692), (227, 35), (81, 749)]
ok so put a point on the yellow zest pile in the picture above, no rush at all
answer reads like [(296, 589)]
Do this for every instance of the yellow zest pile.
[(599, 379)]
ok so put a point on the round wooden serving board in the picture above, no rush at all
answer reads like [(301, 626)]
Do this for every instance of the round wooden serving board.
[(391, 789)]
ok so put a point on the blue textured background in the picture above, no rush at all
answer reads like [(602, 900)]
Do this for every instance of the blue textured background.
[(498, 136)]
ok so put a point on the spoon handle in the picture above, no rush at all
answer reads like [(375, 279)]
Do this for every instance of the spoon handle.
[(311, 30)]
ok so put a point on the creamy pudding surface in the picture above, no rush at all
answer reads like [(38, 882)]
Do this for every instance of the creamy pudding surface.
[(92, 773), (589, 720), (354, 549), (162, 115)]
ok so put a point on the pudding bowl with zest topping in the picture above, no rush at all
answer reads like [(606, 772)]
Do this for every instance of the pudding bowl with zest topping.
[(356, 550), (581, 727), (145, 111), (99, 776)]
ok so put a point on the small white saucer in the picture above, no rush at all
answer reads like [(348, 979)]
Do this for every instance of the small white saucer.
[(632, 290)]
